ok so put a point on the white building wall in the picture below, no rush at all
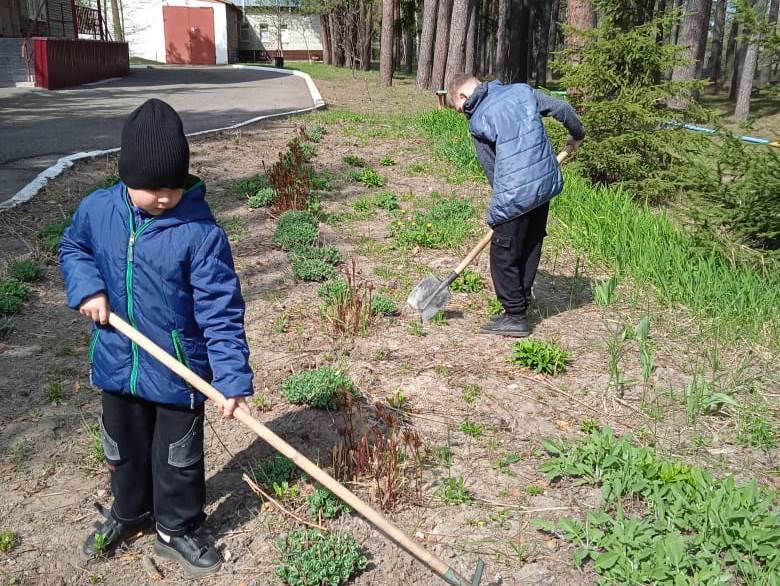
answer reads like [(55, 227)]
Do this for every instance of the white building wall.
[(145, 31), (302, 33)]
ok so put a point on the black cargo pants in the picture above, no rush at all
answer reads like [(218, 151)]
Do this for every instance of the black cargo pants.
[(155, 454), (515, 251)]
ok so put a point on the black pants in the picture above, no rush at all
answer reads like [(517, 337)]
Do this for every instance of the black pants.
[(514, 258), (155, 454)]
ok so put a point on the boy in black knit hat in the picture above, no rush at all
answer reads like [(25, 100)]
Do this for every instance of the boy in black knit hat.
[(149, 249)]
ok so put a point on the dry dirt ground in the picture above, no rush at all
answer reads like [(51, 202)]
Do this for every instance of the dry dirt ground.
[(50, 480)]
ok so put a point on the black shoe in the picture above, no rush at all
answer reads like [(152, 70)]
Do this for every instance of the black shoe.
[(197, 559), (514, 326), (108, 534)]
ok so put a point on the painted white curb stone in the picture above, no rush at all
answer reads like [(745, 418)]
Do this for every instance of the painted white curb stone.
[(29, 191)]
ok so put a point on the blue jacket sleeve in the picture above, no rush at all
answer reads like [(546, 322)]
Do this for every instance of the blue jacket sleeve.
[(82, 277), (219, 311)]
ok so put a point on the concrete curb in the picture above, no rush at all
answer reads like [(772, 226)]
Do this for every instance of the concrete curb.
[(29, 191)]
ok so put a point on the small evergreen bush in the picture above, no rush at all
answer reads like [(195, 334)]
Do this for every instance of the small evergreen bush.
[(311, 269), (13, 294), (26, 271), (294, 229)]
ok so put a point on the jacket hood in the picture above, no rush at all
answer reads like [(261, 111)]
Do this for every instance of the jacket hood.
[(191, 208), (471, 105)]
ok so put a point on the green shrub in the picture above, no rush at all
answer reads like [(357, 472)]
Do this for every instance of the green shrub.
[(307, 151), (381, 305), (331, 291), (13, 294), (251, 185), (25, 271), (368, 177), (295, 228), (445, 223), (311, 269), (321, 181), (264, 197), (273, 470), (470, 428), (542, 357), (385, 200), (354, 161), (308, 557), (322, 387), (324, 504), (468, 282), (314, 132), (453, 491), (49, 236), (327, 254), (494, 307), (8, 540)]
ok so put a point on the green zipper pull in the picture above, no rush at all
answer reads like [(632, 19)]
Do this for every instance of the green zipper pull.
[(131, 248)]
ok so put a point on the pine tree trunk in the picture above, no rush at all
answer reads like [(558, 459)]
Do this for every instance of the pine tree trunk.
[(693, 27), (366, 33), (716, 51), (742, 109), (425, 62), (325, 37), (543, 41), (519, 42), (739, 60), (552, 39), (442, 45), (765, 75), (349, 35), (336, 37), (409, 27), (386, 44), (471, 37), (580, 16), (397, 35), (660, 9), (456, 52), (701, 50), (502, 39)]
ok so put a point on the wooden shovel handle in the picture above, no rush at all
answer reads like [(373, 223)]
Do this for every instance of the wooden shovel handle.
[(474, 253), (371, 515)]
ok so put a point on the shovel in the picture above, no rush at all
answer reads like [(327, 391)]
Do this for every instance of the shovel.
[(432, 295), (439, 567)]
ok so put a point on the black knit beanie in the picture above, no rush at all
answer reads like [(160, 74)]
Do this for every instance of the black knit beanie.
[(154, 151)]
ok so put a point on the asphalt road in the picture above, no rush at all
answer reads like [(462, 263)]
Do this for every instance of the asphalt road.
[(37, 127)]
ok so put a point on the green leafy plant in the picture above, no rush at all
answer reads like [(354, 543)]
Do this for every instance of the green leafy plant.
[(701, 399), (273, 470), (234, 228), (264, 197), (348, 303), (314, 132), (381, 305), (321, 180), (453, 491), (26, 271), (285, 491), (416, 329), (49, 236), (471, 393), (327, 254), (261, 402), (439, 318), (307, 151), (368, 177), (13, 294), (387, 161), (663, 521), (354, 161), (470, 428), (308, 557), (468, 282), (312, 269), (251, 186), (494, 307), (323, 504), (295, 229), (8, 540), (444, 224), (322, 387), (604, 292), (443, 455), (101, 542), (534, 489), (55, 393), (95, 454), (18, 452), (542, 357), (505, 461), (385, 200)]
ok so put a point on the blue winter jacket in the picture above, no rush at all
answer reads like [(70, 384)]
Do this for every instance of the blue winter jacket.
[(514, 149), (172, 277)]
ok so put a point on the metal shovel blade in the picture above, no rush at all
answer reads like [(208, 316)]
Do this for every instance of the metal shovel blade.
[(429, 297)]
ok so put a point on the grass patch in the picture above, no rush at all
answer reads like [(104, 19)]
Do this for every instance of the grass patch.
[(314, 132), (444, 224), (308, 557), (95, 454), (387, 161), (13, 294), (355, 161), (273, 470), (542, 357), (385, 200), (664, 522), (321, 387), (26, 271), (55, 392), (49, 236), (449, 132), (235, 229)]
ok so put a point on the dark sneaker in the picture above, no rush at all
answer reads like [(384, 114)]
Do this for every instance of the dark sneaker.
[(107, 535), (196, 558), (514, 326)]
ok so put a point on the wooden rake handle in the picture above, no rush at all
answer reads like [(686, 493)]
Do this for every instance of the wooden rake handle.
[(480, 246), (371, 515)]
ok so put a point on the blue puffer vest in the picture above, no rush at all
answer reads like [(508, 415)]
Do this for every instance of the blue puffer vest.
[(172, 277), (513, 148)]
